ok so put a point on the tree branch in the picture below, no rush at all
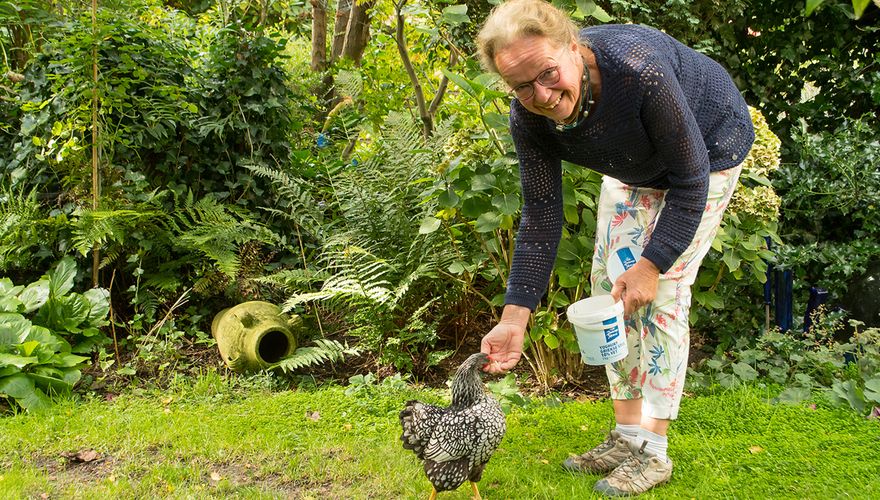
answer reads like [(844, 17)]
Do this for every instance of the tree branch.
[(427, 121)]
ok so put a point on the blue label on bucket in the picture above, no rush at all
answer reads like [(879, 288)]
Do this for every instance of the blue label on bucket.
[(626, 258), (613, 332)]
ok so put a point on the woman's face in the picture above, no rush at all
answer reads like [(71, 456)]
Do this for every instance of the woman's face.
[(528, 59)]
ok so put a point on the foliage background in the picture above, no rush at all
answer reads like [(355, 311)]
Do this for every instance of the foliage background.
[(376, 193)]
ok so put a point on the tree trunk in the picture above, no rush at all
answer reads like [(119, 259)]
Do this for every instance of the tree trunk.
[(343, 12), (358, 31), (319, 35)]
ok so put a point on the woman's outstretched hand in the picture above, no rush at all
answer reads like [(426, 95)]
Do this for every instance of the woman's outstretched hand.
[(504, 342)]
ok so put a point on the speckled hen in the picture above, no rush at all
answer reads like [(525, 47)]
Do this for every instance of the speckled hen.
[(456, 442)]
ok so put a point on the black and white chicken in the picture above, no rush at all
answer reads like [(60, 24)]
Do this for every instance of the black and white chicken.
[(456, 442)]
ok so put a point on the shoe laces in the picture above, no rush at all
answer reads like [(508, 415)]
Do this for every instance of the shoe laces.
[(632, 463)]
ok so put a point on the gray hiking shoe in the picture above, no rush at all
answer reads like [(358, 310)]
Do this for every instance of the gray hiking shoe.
[(639, 473), (603, 458)]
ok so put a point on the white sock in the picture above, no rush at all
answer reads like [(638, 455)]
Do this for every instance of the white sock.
[(630, 432), (657, 444)]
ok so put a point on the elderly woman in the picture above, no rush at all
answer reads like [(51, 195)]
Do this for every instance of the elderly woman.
[(668, 129)]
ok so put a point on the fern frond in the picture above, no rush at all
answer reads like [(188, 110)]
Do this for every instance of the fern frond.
[(324, 350), (292, 279)]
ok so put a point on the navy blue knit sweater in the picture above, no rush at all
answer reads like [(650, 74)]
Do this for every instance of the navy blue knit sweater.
[(667, 116)]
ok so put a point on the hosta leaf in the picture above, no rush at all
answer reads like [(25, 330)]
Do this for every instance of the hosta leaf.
[(34, 296), (14, 328), (61, 277), (8, 303), (16, 360), (21, 388), (70, 360), (99, 302)]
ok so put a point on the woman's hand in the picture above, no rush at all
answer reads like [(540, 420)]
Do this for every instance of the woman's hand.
[(637, 286), (504, 342)]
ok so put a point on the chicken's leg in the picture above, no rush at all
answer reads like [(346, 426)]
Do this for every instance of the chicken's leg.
[(476, 491), (433, 494)]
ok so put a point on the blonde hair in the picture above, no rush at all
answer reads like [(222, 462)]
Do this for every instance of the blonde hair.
[(516, 19)]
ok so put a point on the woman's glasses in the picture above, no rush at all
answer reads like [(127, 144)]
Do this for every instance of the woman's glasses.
[(548, 77)]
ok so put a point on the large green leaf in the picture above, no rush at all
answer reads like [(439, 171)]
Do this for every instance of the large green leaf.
[(16, 360), (811, 5), (14, 328), (745, 372), (507, 203), (99, 302), (794, 395), (488, 222), (850, 392), (429, 225), (872, 390), (45, 337), (10, 303), (61, 277), (455, 15), (8, 288), (21, 388), (475, 206), (34, 296)]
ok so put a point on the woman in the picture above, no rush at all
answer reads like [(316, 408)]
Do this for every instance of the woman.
[(668, 129)]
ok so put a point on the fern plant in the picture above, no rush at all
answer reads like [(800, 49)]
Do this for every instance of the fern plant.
[(323, 351), (383, 277)]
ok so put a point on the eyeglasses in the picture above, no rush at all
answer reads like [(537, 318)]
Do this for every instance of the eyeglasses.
[(548, 77), (526, 91)]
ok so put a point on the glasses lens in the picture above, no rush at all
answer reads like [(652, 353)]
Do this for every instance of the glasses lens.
[(524, 92), (549, 77)]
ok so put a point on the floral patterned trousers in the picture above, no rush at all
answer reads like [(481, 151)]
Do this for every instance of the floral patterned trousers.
[(658, 334)]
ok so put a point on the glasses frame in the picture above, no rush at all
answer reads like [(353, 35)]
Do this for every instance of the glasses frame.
[(540, 80)]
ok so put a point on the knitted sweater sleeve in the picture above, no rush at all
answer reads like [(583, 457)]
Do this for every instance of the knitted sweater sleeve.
[(540, 227), (673, 130)]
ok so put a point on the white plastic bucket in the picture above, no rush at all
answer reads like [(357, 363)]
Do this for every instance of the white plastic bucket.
[(598, 325), (621, 260)]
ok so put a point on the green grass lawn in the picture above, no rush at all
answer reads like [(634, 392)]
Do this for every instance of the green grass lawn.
[(214, 437)]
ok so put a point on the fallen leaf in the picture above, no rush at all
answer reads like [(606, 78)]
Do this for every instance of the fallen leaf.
[(167, 411), (755, 449), (346, 427), (313, 416), (812, 406), (81, 456), (44, 496), (168, 400), (584, 428), (545, 461), (51, 478), (215, 476), (875, 413)]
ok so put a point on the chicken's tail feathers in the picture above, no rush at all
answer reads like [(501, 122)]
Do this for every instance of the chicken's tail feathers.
[(417, 420)]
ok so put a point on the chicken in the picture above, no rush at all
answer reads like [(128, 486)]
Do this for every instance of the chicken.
[(455, 442)]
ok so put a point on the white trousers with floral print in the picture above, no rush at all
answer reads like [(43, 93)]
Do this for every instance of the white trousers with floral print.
[(658, 334)]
